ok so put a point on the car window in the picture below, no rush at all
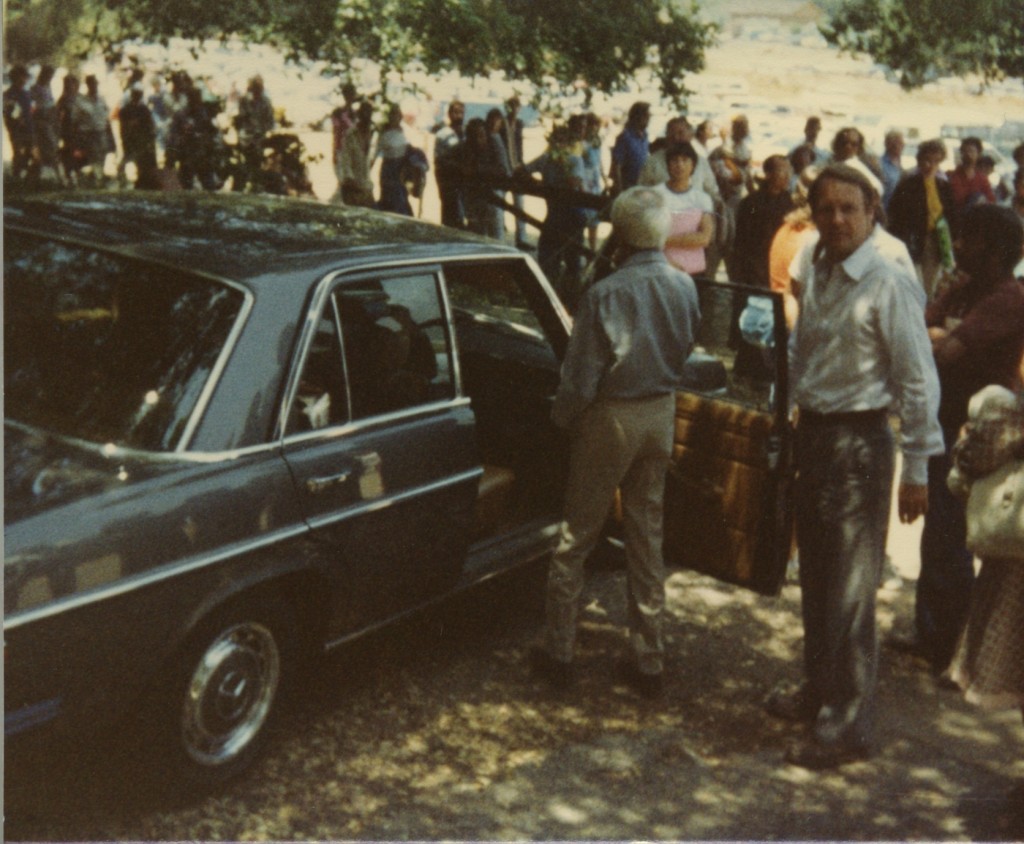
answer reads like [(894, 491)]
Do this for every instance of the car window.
[(322, 395), (106, 349), (503, 299), (397, 351)]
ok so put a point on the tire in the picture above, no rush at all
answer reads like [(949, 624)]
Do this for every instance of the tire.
[(213, 719)]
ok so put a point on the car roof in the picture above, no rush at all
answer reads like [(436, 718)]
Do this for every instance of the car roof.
[(241, 238)]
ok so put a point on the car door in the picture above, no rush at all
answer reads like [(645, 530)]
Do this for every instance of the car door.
[(380, 444), (727, 497)]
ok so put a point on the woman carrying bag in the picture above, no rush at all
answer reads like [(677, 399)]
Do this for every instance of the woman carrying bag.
[(989, 469)]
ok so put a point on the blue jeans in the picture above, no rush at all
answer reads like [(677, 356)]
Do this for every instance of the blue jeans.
[(947, 569)]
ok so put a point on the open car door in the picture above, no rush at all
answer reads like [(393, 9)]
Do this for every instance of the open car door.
[(727, 497)]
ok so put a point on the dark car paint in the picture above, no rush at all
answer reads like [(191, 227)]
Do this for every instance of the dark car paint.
[(116, 557), (113, 557)]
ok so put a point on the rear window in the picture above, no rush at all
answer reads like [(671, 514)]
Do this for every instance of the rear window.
[(106, 349)]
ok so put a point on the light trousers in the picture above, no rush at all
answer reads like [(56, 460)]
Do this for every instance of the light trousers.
[(623, 444)]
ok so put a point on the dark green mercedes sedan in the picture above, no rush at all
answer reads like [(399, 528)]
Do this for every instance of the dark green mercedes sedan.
[(240, 431)]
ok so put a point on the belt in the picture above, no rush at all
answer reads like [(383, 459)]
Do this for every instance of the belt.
[(849, 417)]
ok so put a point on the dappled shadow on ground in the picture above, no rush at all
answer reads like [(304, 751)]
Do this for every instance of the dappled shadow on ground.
[(434, 729)]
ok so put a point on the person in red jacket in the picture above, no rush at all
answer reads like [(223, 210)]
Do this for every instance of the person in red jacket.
[(970, 186)]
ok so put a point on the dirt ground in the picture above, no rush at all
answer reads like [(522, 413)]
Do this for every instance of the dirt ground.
[(435, 730)]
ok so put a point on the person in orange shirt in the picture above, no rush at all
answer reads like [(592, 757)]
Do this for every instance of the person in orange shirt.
[(797, 228)]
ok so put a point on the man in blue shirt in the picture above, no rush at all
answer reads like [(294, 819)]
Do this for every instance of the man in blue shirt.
[(892, 167), (631, 148), (631, 337)]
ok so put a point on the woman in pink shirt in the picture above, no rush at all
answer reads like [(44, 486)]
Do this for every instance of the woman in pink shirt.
[(693, 223)]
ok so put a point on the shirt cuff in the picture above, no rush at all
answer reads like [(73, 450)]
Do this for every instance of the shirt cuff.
[(915, 469)]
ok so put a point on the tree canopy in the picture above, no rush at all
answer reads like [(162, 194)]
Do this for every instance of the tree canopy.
[(602, 43), (925, 39)]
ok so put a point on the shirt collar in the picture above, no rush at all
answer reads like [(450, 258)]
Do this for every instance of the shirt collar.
[(858, 263), (645, 256)]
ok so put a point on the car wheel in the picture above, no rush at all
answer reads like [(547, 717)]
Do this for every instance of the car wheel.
[(226, 692)]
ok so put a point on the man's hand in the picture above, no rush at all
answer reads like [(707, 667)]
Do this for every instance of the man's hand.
[(912, 502)]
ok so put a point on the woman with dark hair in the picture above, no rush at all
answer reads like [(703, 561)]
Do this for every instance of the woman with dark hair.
[(848, 147), (969, 184), (693, 222), (478, 162), (497, 164), (922, 215)]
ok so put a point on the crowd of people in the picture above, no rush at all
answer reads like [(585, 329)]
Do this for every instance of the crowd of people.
[(725, 212), (175, 131), (921, 206), (904, 296), (174, 134), (865, 345)]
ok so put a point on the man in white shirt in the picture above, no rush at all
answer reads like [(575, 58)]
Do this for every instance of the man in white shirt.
[(859, 350)]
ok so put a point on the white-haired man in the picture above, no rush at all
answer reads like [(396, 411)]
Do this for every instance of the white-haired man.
[(632, 334)]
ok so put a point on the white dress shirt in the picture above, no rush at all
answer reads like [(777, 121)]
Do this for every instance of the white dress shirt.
[(860, 343)]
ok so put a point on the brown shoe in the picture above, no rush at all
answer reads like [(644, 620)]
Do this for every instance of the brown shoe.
[(820, 756), (792, 704)]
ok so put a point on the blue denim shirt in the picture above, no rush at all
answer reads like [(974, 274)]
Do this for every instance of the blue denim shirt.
[(630, 153), (631, 337), (891, 173)]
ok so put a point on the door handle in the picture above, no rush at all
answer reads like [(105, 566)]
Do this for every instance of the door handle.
[(322, 484)]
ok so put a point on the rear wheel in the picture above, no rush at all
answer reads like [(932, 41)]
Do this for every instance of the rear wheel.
[(226, 689)]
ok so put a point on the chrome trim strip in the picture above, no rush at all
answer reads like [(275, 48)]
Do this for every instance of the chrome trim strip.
[(29, 717), (213, 379), (116, 452), (556, 303), (305, 338), (453, 340), (138, 581), (376, 504), (375, 421), (170, 570)]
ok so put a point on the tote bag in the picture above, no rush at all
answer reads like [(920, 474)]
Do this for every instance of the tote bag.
[(995, 513)]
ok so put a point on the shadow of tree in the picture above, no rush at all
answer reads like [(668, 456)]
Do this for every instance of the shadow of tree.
[(433, 729)]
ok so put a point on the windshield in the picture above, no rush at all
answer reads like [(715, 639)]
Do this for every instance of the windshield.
[(104, 348)]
